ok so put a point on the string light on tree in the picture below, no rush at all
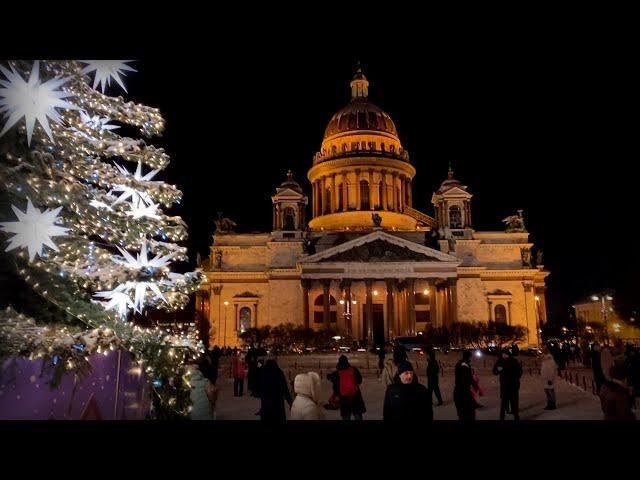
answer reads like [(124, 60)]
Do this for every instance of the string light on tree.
[(87, 276)]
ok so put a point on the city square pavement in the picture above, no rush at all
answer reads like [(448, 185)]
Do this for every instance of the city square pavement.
[(573, 402)]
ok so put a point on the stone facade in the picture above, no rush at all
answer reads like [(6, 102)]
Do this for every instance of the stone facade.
[(372, 278)]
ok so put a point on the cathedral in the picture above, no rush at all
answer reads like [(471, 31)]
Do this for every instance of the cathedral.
[(367, 263)]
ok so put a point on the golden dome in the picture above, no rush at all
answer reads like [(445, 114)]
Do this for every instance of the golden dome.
[(360, 114), (360, 128)]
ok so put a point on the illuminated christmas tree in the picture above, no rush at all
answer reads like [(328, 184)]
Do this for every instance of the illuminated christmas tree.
[(82, 223)]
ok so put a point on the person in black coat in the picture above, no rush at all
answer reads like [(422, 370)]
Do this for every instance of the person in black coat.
[(406, 399), (253, 380), (399, 354), (433, 377), (462, 397), (596, 365), (273, 393), (510, 370)]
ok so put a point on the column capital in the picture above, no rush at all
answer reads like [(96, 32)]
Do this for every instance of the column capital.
[(345, 282), (217, 289), (368, 282), (306, 283), (326, 283)]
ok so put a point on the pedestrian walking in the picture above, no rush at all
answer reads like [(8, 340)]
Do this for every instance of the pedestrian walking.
[(407, 400), (615, 396), (433, 377), (346, 381), (462, 391), (239, 372), (274, 391), (307, 405), (548, 374), (510, 370)]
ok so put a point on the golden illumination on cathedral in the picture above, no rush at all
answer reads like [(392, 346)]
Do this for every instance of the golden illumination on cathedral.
[(350, 253)]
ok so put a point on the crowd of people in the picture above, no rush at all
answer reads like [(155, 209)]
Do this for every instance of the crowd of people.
[(406, 399)]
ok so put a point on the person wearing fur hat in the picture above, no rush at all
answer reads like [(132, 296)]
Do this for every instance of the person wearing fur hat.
[(615, 396), (548, 373), (510, 370), (406, 399), (306, 405), (462, 397), (346, 382)]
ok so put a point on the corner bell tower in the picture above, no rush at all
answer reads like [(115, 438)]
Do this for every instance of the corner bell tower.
[(289, 204), (452, 203)]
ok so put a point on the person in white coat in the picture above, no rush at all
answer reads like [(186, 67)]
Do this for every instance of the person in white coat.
[(307, 404), (548, 373), (203, 396)]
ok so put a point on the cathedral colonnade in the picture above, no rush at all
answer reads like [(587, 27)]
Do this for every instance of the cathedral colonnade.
[(378, 309)]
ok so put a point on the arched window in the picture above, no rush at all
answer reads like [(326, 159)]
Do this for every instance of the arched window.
[(455, 217), (245, 319), (340, 196), (289, 219), (318, 309), (500, 314), (364, 195)]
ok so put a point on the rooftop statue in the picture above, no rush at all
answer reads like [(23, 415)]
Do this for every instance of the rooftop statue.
[(377, 219), (224, 224), (515, 223)]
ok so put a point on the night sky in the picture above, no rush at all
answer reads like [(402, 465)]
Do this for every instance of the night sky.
[(540, 127)]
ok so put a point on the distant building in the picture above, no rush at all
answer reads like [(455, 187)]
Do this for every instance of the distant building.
[(368, 263), (592, 315)]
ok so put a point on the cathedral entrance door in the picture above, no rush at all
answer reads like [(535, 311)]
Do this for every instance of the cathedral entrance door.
[(377, 326)]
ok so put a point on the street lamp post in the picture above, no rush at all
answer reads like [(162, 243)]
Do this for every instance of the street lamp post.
[(537, 298), (603, 312), (348, 302), (225, 323)]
